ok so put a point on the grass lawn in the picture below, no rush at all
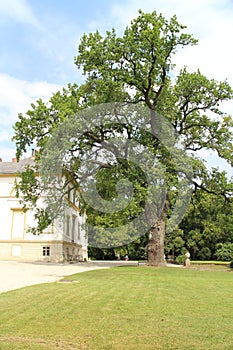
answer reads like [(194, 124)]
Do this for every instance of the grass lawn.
[(124, 308)]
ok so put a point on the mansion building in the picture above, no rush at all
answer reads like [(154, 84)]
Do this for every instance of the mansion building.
[(64, 240)]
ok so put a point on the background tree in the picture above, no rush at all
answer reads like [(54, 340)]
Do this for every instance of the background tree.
[(208, 222), (137, 68)]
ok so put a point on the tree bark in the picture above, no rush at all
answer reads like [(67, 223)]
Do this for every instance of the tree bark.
[(155, 246)]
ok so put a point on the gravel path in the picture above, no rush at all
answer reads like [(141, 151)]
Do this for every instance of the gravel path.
[(14, 275)]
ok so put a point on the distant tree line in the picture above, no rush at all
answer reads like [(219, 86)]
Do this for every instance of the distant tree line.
[(206, 232)]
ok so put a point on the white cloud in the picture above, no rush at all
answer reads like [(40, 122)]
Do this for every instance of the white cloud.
[(4, 135), (18, 10), (213, 54), (190, 12), (7, 153), (16, 97), (213, 161)]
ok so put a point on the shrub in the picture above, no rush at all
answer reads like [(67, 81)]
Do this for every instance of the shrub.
[(181, 259), (224, 251), (204, 254), (231, 264)]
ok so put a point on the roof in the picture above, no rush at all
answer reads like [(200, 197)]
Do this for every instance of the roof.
[(14, 167)]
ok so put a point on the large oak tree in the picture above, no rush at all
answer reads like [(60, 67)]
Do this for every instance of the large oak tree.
[(137, 68)]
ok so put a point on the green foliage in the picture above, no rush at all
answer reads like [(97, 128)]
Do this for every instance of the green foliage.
[(224, 251), (208, 222), (174, 243), (204, 253), (135, 250), (137, 68), (180, 259), (138, 59), (28, 185)]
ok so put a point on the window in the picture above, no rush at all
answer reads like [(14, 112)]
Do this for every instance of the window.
[(68, 225), (73, 226), (46, 251), (18, 224), (79, 230)]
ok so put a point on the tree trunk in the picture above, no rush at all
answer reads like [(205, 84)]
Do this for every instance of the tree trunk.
[(155, 246)]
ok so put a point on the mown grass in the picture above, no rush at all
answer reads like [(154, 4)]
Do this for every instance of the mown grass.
[(138, 308)]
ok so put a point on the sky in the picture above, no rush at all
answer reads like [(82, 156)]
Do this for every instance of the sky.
[(39, 39)]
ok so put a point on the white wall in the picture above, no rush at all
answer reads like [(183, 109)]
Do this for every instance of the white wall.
[(9, 211)]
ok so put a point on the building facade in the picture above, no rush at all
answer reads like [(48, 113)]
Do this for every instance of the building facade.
[(64, 240)]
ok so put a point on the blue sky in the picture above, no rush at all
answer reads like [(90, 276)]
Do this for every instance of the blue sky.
[(39, 39)]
